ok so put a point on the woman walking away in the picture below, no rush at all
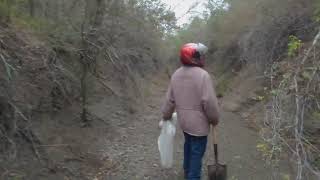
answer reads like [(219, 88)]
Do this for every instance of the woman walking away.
[(192, 95)]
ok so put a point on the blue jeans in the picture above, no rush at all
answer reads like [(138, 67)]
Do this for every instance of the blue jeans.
[(194, 149)]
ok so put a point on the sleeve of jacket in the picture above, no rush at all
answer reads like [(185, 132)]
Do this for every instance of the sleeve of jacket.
[(169, 104), (209, 100)]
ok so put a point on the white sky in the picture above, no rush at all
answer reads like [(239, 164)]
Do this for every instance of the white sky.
[(180, 7)]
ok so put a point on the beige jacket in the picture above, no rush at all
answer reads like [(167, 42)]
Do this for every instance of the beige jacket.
[(192, 95)]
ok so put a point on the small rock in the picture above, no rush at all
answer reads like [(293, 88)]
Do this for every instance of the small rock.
[(245, 115)]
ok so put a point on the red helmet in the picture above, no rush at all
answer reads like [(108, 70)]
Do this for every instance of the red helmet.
[(193, 54)]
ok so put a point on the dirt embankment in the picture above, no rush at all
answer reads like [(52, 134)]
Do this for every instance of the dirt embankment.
[(40, 130)]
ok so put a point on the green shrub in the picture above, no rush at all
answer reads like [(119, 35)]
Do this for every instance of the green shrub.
[(223, 86), (317, 11), (4, 10), (316, 115), (294, 45), (35, 24)]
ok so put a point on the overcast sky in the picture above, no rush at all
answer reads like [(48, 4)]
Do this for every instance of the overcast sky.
[(180, 7)]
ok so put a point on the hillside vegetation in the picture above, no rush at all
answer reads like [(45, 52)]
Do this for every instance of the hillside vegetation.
[(275, 44), (57, 59)]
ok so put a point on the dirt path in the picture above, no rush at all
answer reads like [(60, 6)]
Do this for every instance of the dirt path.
[(135, 155)]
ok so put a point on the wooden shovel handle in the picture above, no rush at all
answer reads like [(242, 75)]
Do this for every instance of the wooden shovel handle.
[(215, 143), (214, 134)]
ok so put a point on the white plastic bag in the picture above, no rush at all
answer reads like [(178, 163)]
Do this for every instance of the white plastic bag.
[(175, 118), (166, 143)]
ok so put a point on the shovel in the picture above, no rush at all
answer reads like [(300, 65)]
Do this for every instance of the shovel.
[(217, 171)]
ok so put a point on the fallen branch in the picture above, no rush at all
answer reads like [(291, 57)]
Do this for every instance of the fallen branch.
[(108, 56), (54, 145), (9, 67), (29, 136), (18, 111), (63, 91), (315, 41), (106, 86), (13, 154)]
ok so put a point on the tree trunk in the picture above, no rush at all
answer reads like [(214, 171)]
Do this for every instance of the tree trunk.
[(94, 13), (83, 83), (31, 8), (7, 11)]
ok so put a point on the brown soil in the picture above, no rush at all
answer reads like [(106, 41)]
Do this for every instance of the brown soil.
[(132, 145)]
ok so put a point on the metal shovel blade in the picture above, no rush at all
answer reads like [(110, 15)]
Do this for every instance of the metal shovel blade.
[(217, 172)]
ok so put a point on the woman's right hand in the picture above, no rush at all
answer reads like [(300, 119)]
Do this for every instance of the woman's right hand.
[(160, 124)]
